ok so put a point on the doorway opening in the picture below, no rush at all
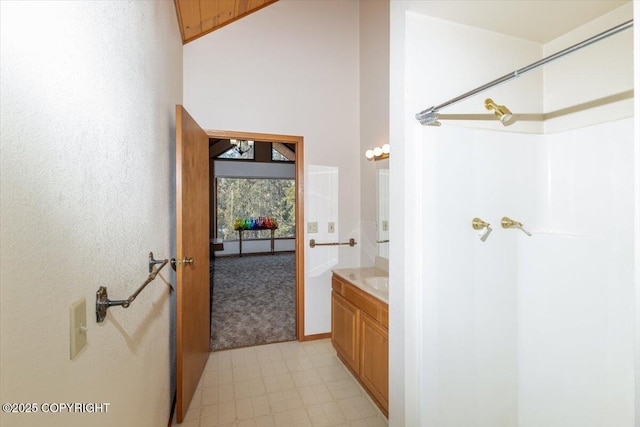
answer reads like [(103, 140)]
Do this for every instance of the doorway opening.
[(257, 250)]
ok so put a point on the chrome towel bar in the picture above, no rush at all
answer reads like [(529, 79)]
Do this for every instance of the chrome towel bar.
[(313, 244), (103, 302)]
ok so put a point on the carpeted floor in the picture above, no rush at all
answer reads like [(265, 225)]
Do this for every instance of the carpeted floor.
[(253, 300)]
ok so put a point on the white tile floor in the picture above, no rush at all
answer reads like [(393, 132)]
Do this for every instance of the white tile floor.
[(291, 384)]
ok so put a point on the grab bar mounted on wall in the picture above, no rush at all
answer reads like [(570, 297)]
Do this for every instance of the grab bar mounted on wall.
[(313, 244), (103, 302)]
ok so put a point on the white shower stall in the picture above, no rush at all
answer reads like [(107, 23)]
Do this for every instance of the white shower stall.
[(515, 330)]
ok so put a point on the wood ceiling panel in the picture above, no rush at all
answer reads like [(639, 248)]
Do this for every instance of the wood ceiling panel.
[(199, 17), (226, 11), (189, 18), (255, 3), (209, 14), (242, 6)]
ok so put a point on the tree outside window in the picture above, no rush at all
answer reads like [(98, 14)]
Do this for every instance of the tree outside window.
[(255, 197)]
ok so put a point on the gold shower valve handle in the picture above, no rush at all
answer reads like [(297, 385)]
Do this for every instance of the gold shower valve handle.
[(479, 224), (507, 222)]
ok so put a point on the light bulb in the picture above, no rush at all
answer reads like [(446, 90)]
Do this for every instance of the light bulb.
[(369, 154), (386, 148), (377, 151)]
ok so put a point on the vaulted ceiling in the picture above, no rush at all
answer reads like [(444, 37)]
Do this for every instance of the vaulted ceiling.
[(200, 17)]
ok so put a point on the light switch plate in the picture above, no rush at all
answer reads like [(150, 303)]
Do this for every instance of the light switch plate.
[(78, 326), (331, 227), (312, 227), (385, 225)]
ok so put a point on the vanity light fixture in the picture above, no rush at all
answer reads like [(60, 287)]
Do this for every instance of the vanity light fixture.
[(378, 153)]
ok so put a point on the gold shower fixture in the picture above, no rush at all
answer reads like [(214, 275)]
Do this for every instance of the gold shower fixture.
[(507, 222), (483, 228), (478, 224), (504, 114)]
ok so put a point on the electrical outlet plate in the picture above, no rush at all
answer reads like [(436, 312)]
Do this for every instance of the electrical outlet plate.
[(312, 227), (78, 326), (331, 228)]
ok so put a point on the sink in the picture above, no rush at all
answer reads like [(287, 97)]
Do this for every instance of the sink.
[(378, 282)]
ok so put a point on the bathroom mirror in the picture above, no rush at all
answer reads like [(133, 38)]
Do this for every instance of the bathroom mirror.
[(383, 210)]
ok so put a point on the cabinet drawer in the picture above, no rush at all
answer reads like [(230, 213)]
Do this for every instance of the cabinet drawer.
[(384, 316), (336, 285)]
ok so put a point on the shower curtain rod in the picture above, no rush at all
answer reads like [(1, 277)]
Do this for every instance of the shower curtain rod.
[(429, 116)]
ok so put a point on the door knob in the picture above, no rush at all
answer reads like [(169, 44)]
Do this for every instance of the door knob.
[(180, 262)]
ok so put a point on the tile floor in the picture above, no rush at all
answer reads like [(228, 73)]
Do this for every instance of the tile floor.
[(291, 384)]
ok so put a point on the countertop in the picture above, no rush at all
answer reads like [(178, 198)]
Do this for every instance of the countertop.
[(357, 277)]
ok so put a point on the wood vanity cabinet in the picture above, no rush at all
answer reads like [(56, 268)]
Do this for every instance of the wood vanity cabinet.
[(360, 335), (345, 318)]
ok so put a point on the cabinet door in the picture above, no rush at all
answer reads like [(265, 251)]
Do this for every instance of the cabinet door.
[(345, 319), (374, 360)]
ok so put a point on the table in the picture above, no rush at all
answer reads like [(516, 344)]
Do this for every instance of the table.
[(273, 230)]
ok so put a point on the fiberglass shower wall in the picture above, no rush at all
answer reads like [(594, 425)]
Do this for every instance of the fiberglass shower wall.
[(517, 330), (533, 330), (575, 283)]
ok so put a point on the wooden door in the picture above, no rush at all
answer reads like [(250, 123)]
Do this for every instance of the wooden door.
[(192, 242)]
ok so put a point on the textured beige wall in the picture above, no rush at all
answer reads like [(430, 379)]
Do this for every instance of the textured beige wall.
[(87, 135)]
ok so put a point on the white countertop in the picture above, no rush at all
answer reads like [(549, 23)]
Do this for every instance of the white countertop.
[(357, 277)]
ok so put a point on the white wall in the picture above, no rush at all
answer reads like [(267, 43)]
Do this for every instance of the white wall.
[(636, 234), (88, 100), (636, 156), (469, 310), (290, 68), (573, 80), (374, 114)]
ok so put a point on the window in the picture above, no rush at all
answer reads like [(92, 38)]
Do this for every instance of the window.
[(241, 149), (255, 197), (281, 152), (277, 156)]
